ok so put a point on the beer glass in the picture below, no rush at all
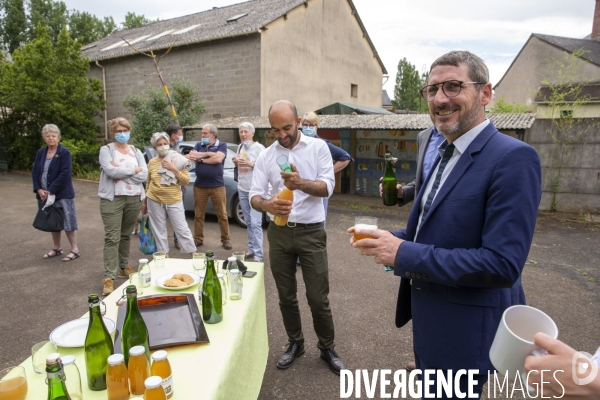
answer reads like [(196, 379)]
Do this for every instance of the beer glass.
[(159, 259), (198, 261), (39, 352), (13, 383), (364, 223)]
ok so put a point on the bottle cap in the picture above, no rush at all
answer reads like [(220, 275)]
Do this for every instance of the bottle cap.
[(143, 260), (66, 360), (231, 259), (234, 271), (51, 359), (159, 355), (136, 350), (116, 359), (152, 382)]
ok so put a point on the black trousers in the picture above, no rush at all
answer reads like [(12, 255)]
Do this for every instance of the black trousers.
[(309, 244)]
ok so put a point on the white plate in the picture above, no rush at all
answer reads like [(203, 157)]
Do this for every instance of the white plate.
[(160, 281), (72, 333)]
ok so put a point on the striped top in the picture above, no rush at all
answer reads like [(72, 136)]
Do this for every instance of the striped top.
[(164, 194)]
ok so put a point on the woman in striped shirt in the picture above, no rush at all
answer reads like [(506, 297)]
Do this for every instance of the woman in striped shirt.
[(166, 173)]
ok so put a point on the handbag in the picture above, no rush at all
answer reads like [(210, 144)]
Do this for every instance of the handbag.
[(147, 240), (50, 219), (235, 169)]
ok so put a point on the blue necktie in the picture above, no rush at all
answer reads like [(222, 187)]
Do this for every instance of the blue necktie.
[(448, 151)]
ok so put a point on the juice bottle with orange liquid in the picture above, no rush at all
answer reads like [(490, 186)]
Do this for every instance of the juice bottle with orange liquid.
[(117, 380), (138, 369), (154, 389), (285, 194), (161, 367), (13, 385)]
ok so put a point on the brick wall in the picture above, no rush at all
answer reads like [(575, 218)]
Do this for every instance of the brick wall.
[(226, 71)]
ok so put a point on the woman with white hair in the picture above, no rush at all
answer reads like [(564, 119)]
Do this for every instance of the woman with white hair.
[(166, 173), (52, 183), (247, 154)]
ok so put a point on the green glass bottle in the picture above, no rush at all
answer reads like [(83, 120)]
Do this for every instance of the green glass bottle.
[(98, 346), (212, 297), (135, 332), (55, 378), (390, 193)]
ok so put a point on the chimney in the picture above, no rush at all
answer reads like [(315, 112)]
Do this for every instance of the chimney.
[(596, 25)]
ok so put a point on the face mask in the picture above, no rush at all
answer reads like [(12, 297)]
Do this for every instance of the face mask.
[(122, 137), (309, 131), (162, 150), (179, 139), (247, 144), (205, 141)]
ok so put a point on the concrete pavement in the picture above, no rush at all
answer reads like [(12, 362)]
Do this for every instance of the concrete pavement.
[(562, 278)]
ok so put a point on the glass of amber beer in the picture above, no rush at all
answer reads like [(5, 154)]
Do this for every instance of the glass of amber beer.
[(13, 383), (364, 223)]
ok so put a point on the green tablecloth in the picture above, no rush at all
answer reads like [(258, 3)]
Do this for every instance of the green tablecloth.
[(230, 367)]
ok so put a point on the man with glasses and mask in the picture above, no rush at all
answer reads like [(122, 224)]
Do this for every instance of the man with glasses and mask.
[(304, 236), (469, 232)]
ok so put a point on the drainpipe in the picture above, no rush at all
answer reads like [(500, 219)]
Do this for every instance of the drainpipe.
[(105, 103)]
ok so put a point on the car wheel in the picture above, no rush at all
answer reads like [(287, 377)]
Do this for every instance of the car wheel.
[(238, 214)]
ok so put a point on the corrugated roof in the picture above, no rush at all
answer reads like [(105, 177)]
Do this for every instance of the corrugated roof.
[(376, 121), (202, 27)]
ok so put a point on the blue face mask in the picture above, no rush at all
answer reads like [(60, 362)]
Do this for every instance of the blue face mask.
[(309, 131), (122, 137), (179, 139), (205, 141)]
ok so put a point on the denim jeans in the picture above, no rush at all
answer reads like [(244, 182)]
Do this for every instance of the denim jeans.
[(253, 220)]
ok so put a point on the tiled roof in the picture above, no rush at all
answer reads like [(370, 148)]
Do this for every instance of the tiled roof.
[(376, 121), (591, 89), (244, 18), (385, 99), (591, 47)]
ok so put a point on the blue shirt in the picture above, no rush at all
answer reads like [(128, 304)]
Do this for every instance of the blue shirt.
[(431, 152), (337, 153), (210, 175)]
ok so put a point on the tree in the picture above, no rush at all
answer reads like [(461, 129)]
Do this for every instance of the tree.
[(51, 14), (502, 107), (152, 113), (133, 21), (408, 85), (13, 28), (47, 84), (563, 96), (88, 28)]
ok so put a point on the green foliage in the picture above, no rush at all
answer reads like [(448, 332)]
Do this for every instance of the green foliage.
[(151, 112), (408, 85), (502, 107), (565, 83), (88, 28), (133, 21), (51, 14), (85, 157), (46, 84), (13, 25)]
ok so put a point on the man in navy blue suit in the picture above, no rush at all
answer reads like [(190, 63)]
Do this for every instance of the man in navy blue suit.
[(470, 229)]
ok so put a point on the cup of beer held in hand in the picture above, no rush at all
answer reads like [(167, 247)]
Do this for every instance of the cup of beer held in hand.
[(362, 223)]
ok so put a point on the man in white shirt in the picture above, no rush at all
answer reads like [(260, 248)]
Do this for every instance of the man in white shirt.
[(304, 236)]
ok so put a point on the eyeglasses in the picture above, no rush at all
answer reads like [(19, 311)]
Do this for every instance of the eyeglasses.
[(450, 88)]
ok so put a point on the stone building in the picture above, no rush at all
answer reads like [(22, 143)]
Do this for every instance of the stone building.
[(246, 56)]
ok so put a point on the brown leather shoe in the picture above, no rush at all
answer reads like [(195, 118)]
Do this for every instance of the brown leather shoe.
[(108, 286), (410, 366), (125, 272), (227, 245)]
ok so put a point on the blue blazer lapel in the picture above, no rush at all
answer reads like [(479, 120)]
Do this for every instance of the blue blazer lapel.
[(457, 172)]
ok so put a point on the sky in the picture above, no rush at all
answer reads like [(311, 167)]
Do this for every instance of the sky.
[(419, 30)]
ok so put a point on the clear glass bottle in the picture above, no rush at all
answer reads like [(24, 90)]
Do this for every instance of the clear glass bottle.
[(72, 377), (55, 378), (117, 378), (98, 346), (144, 274), (154, 389), (161, 367), (135, 332), (212, 302), (236, 284), (138, 370), (221, 277)]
